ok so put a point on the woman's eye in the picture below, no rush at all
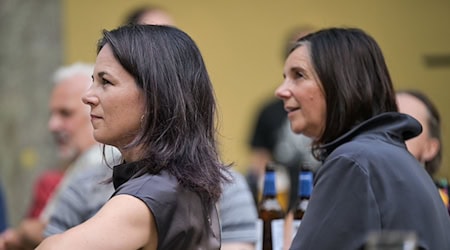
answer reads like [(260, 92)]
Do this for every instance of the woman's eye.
[(104, 81), (298, 74)]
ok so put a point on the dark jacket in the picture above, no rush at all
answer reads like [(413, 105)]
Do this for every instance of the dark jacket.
[(370, 182)]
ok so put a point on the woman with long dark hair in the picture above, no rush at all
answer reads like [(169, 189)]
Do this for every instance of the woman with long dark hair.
[(152, 98)]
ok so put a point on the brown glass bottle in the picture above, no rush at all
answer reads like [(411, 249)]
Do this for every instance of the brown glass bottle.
[(269, 209)]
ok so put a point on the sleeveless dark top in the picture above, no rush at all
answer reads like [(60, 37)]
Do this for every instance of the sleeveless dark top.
[(182, 220)]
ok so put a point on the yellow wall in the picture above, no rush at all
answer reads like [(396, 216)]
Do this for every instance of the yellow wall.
[(241, 42)]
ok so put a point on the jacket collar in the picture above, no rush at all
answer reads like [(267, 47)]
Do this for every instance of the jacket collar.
[(124, 172), (393, 125)]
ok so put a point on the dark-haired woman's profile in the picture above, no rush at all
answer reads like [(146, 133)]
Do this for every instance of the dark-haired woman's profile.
[(152, 98), (337, 90)]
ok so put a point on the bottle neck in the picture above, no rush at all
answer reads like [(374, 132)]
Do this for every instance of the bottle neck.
[(305, 186), (269, 184)]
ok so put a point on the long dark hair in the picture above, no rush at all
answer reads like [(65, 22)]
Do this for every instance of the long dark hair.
[(178, 129), (354, 76)]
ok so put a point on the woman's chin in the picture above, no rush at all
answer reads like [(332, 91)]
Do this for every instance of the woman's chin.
[(297, 130)]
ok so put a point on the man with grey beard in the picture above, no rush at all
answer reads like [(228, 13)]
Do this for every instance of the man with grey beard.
[(81, 192)]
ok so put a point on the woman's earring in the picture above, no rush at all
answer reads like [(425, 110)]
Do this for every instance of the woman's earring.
[(142, 121)]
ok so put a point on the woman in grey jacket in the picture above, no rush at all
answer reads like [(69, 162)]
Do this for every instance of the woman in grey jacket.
[(338, 91)]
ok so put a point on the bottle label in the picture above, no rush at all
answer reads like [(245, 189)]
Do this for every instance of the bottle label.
[(259, 234), (304, 205), (277, 234)]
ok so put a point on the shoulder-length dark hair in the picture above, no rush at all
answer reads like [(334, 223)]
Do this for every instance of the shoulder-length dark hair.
[(178, 129), (354, 76)]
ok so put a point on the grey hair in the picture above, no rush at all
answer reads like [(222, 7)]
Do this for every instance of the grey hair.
[(65, 72)]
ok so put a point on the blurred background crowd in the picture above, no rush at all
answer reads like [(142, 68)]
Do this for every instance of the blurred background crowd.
[(243, 43)]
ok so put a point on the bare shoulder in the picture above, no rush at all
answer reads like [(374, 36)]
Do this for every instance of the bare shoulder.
[(124, 222)]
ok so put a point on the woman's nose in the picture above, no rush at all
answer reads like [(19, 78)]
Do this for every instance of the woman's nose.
[(89, 98), (282, 92)]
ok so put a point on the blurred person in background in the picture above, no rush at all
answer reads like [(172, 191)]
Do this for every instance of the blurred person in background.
[(149, 14), (337, 90), (80, 194), (44, 188), (238, 215), (426, 147), (237, 210)]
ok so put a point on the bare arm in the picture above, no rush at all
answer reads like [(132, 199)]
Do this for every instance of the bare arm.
[(124, 222), (288, 230)]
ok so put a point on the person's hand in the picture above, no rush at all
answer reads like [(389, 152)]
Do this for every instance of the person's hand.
[(31, 231), (10, 240)]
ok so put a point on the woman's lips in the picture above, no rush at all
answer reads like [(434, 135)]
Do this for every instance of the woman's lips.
[(95, 117)]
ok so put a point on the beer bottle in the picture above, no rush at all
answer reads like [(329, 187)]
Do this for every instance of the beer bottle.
[(270, 211), (305, 186)]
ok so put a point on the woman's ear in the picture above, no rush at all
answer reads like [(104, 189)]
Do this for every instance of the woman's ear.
[(431, 149)]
